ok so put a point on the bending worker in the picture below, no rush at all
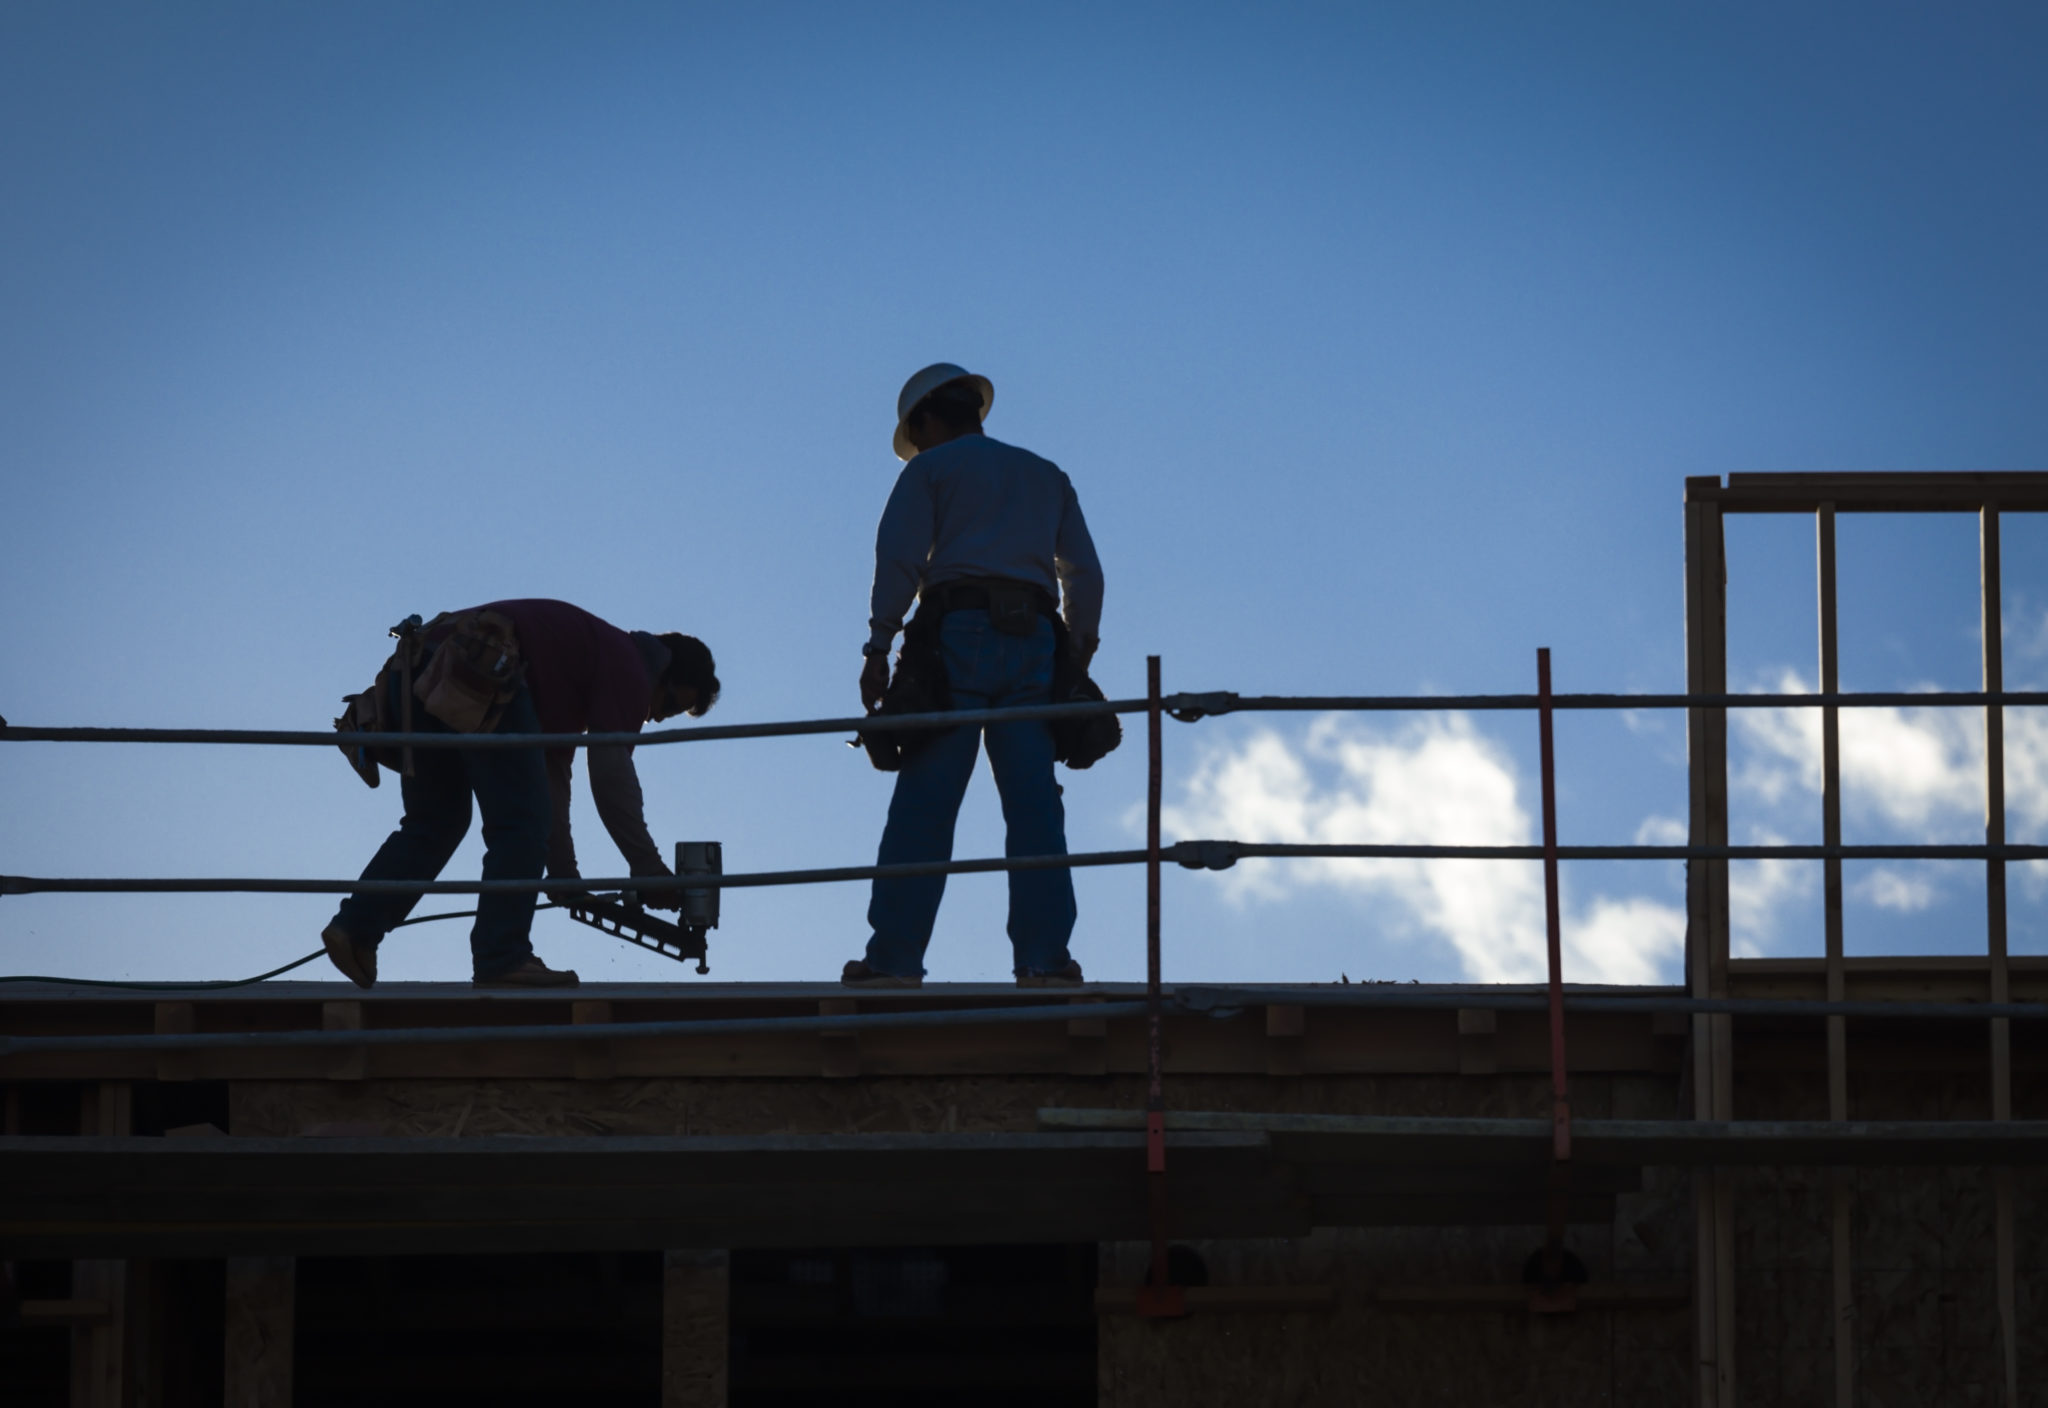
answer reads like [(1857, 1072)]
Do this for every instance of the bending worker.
[(986, 537), (559, 669)]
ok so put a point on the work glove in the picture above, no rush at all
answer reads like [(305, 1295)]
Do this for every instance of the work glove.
[(565, 896), (661, 899), (1081, 651), (874, 682)]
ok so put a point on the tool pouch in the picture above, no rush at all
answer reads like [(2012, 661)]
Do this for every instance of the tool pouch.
[(474, 671), (1014, 610), (918, 686), (367, 713), (1079, 743)]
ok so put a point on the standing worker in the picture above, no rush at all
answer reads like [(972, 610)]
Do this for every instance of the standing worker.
[(531, 666), (987, 538)]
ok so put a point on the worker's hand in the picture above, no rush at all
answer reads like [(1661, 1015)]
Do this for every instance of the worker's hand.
[(565, 896), (661, 899), (874, 681)]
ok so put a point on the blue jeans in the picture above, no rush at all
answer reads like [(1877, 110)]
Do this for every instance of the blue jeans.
[(511, 787), (987, 670)]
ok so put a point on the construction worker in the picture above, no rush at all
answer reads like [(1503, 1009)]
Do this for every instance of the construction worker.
[(579, 674), (988, 538)]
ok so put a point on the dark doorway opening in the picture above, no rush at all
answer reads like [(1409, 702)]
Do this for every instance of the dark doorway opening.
[(471, 1331), (914, 1326)]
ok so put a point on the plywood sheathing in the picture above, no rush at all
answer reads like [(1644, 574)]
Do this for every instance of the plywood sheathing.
[(1364, 1352)]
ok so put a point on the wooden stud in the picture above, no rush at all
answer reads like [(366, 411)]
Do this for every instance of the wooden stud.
[(1087, 1041), (1478, 1041), (1993, 630), (99, 1358), (593, 1058), (1706, 629), (174, 1019), (695, 1328), (1841, 1261), (348, 1062), (839, 1051), (260, 1292), (1286, 1025)]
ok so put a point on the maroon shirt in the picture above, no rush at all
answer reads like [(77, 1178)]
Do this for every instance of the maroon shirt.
[(587, 676)]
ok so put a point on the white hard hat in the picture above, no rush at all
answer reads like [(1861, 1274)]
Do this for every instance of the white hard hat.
[(924, 384)]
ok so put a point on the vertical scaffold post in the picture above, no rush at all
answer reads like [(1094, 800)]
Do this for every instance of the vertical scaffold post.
[(1555, 1294), (1840, 1180), (1994, 914), (1711, 1056), (1158, 1297)]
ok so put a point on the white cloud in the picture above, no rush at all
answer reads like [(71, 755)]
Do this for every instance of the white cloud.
[(1436, 781), (1662, 831), (1920, 772), (1756, 891), (1894, 889)]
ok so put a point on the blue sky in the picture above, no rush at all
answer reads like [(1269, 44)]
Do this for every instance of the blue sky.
[(1378, 341)]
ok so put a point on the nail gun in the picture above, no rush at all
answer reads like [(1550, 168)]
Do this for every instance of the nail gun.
[(623, 917)]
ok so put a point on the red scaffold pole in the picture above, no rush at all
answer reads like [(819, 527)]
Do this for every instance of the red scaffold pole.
[(1554, 1294), (1157, 1297)]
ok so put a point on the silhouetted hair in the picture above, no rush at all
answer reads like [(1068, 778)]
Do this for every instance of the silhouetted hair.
[(956, 405), (690, 666)]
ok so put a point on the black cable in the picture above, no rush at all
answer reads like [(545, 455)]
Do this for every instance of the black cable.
[(218, 984)]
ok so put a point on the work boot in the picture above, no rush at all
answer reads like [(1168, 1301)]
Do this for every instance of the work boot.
[(356, 959), (857, 974), (531, 973), (1067, 977)]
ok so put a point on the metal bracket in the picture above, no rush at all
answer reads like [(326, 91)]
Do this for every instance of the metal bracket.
[(1203, 855), (1190, 707)]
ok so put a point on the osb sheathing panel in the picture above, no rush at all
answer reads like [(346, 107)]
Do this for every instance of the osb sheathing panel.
[(1924, 1279), (1367, 1352)]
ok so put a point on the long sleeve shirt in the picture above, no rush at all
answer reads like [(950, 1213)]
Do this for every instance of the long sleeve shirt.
[(975, 507), (587, 675)]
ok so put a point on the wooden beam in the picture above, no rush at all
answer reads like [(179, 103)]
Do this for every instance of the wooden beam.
[(593, 1059), (696, 1317), (838, 1052), (260, 1296), (1706, 672), (1087, 1041), (99, 1347), (174, 1018), (1992, 633), (1597, 1295), (1882, 493), (1286, 1025), (1123, 1300), (344, 1063), (1843, 1293), (1478, 1048)]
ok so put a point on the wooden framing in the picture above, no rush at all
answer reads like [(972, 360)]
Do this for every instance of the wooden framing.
[(1993, 633), (260, 1297), (1706, 672), (1842, 1323), (696, 1302), (1824, 496)]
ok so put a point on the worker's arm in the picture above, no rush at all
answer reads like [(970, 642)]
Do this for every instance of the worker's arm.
[(616, 788), (1080, 573), (561, 845), (903, 544)]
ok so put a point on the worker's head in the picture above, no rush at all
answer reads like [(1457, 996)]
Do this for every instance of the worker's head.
[(941, 403), (690, 683)]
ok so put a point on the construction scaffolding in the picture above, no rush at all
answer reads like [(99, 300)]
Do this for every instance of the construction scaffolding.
[(1051, 1171)]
